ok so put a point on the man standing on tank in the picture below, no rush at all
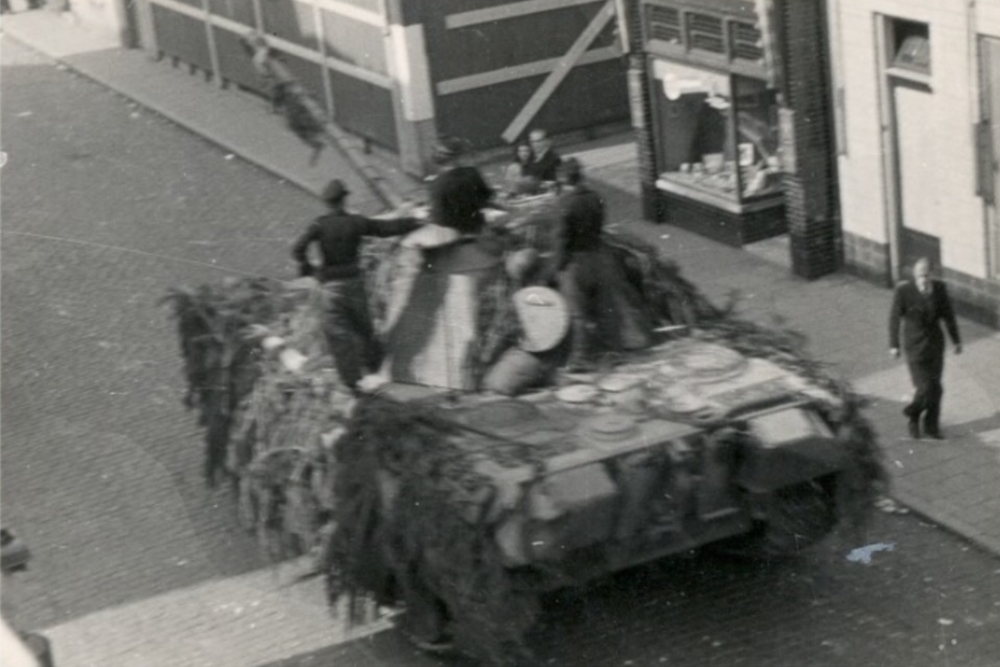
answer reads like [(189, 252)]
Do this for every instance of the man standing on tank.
[(347, 323)]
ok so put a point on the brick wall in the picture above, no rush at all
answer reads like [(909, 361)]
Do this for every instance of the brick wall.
[(811, 200), (641, 106)]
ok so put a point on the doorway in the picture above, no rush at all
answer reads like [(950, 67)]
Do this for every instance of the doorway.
[(919, 199)]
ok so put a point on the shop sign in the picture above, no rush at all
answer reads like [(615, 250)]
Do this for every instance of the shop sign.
[(786, 139), (635, 98)]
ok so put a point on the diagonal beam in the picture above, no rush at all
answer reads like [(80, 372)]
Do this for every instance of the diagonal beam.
[(559, 73)]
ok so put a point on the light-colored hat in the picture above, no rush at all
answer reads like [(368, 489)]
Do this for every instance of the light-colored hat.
[(544, 318)]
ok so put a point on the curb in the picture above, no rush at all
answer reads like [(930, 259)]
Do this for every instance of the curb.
[(946, 521), (378, 184)]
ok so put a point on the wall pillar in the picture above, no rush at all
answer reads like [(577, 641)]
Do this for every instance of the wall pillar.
[(412, 91), (641, 108), (810, 181)]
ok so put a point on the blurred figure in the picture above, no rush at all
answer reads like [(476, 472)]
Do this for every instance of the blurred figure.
[(546, 161), (920, 306), (590, 277), (459, 192), (516, 179)]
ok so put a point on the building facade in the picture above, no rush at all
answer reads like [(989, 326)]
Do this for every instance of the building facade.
[(732, 107), (917, 90), (401, 72)]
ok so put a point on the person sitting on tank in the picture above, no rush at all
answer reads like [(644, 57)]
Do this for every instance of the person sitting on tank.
[(590, 277), (517, 180), (536, 342)]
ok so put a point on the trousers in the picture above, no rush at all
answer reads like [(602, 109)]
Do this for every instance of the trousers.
[(347, 326), (600, 298), (928, 390)]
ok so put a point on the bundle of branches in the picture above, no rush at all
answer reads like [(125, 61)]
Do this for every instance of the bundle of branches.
[(220, 363), (670, 298), (281, 445), (410, 515)]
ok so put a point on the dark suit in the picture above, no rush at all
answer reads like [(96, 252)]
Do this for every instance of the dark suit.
[(544, 168), (592, 281), (923, 344), (347, 322)]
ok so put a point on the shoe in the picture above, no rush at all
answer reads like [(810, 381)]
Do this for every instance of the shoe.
[(14, 554), (914, 428), (934, 434)]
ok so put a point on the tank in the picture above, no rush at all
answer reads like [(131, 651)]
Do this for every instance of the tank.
[(462, 508)]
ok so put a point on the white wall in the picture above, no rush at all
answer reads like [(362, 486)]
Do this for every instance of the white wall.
[(958, 212)]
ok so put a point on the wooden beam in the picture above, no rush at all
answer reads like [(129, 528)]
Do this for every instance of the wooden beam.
[(515, 72), (508, 11), (559, 73), (350, 11)]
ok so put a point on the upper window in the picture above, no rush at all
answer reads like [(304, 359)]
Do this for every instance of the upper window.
[(665, 24), (911, 46), (709, 38), (706, 33)]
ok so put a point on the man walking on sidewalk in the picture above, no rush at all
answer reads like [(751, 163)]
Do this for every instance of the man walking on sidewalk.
[(348, 327), (920, 305)]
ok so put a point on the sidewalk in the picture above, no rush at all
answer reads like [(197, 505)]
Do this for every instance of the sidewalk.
[(955, 483), (238, 122)]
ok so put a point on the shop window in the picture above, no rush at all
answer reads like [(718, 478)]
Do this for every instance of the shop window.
[(757, 137), (911, 46), (717, 133)]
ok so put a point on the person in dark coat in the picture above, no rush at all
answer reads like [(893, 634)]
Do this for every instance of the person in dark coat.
[(459, 192), (920, 306), (590, 277), (545, 165), (348, 327)]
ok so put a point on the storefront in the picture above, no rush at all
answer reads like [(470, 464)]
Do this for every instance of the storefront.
[(714, 120)]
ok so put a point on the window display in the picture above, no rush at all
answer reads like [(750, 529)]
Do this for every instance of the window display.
[(717, 133), (757, 137)]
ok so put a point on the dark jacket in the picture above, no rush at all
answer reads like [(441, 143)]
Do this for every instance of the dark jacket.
[(920, 317), (458, 196), (545, 167), (339, 235), (581, 219)]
